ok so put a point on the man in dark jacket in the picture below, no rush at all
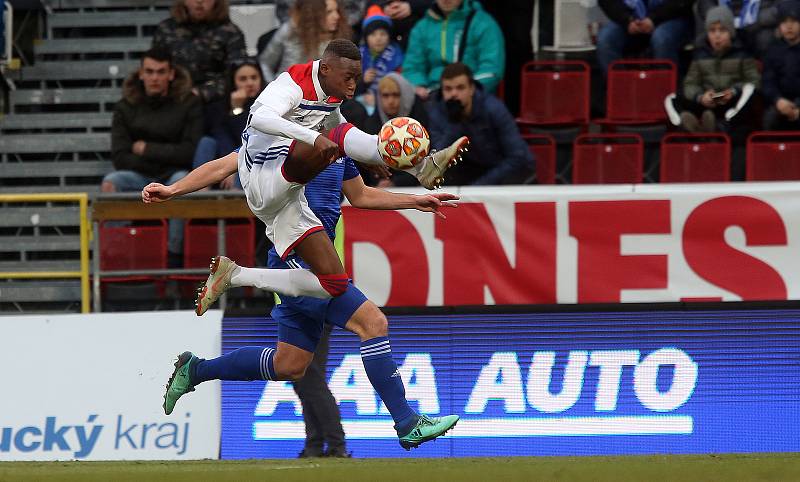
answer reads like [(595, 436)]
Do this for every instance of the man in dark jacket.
[(154, 131), (665, 24), (782, 71), (497, 154)]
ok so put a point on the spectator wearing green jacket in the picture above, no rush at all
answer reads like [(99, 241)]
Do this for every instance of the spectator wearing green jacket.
[(455, 31)]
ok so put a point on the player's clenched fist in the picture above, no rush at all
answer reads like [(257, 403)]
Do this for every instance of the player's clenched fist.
[(156, 193)]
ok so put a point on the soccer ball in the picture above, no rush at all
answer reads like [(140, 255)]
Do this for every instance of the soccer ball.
[(403, 142)]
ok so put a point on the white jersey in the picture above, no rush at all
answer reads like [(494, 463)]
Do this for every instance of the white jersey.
[(293, 106)]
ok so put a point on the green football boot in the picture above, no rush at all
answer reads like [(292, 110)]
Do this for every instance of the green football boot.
[(427, 429), (180, 382)]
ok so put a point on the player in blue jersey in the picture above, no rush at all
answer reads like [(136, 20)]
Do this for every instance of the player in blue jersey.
[(300, 318)]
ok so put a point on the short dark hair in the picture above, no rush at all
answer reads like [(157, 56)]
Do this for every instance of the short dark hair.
[(457, 69), (158, 54), (342, 48)]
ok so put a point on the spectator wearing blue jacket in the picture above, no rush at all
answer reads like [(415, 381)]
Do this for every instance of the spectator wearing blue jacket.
[(781, 79), (497, 154)]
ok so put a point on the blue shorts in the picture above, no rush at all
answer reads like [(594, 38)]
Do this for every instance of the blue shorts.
[(300, 318)]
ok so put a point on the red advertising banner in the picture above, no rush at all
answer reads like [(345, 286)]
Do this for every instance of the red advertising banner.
[(583, 244)]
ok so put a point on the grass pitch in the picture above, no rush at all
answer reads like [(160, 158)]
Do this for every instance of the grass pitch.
[(683, 468)]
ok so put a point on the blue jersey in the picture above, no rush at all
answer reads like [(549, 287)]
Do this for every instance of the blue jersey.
[(324, 196)]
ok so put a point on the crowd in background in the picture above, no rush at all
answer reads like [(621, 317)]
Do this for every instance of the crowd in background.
[(444, 63)]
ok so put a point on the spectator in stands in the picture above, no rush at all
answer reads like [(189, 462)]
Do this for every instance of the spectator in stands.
[(313, 24), (379, 55), (782, 71), (719, 86), (226, 119), (497, 154), (154, 131), (404, 15), (755, 21), (455, 31), (718, 77), (203, 40), (396, 98), (666, 25)]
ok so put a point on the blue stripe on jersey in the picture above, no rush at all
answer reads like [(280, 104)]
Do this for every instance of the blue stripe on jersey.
[(323, 108)]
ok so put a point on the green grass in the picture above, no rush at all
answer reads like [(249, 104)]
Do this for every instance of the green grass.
[(683, 468)]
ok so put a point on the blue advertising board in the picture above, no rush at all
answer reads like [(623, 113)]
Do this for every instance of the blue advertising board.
[(548, 384)]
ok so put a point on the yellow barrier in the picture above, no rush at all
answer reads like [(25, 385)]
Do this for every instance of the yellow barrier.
[(85, 232)]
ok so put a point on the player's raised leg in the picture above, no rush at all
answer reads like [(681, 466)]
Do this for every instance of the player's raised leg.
[(285, 362), (363, 148), (370, 324)]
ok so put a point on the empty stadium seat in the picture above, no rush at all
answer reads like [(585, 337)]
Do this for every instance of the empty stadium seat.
[(773, 156), (200, 242), (607, 159), (554, 93), (543, 147), (636, 91), (695, 158), (133, 247)]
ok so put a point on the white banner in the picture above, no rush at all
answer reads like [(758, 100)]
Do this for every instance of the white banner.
[(90, 387), (583, 244)]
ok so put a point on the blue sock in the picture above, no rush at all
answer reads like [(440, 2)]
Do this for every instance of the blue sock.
[(247, 363), (382, 372)]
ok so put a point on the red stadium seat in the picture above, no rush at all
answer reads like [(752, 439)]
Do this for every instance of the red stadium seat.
[(773, 156), (200, 242), (132, 248), (607, 159), (543, 147), (636, 91), (695, 158), (554, 93)]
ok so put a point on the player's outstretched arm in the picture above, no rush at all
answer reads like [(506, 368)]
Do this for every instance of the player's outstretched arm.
[(365, 197), (208, 174)]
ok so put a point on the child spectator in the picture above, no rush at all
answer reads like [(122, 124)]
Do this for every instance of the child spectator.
[(716, 87), (755, 21), (782, 71), (379, 55)]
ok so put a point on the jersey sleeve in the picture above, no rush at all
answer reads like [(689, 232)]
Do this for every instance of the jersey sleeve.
[(350, 169), (280, 96)]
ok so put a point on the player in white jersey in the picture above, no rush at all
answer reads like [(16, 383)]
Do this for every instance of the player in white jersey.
[(295, 130)]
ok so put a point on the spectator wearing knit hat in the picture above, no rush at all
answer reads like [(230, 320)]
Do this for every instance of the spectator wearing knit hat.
[(719, 85), (755, 21), (379, 54), (782, 71)]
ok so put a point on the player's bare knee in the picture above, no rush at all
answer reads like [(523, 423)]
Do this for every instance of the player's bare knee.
[(296, 373), (373, 326)]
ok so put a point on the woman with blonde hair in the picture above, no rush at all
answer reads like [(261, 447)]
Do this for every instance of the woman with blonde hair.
[(202, 39), (312, 24)]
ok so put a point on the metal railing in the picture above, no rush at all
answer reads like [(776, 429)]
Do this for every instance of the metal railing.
[(129, 207), (85, 235)]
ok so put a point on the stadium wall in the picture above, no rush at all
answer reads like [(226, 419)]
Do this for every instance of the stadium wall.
[(579, 383), (583, 244)]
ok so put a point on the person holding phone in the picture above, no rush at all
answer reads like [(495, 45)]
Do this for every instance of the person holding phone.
[(717, 77)]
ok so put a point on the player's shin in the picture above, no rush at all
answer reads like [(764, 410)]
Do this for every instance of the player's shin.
[(289, 282), (246, 363), (376, 354)]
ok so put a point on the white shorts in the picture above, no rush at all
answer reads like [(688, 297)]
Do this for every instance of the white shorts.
[(279, 203)]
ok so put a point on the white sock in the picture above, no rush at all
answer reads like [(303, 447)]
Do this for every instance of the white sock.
[(290, 282), (362, 147)]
